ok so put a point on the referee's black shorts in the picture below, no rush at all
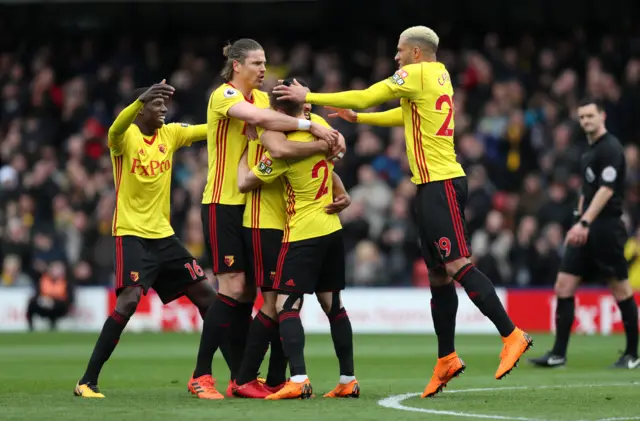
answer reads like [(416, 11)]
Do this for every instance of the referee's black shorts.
[(602, 257)]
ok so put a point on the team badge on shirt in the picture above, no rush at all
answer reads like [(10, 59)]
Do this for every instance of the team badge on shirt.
[(228, 260), (141, 151), (134, 276), (229, 92), (399, 77), (162, 148), (265, 165)]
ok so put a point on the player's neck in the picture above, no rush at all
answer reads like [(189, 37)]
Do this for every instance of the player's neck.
[(244, 88), (596, 136), (145, 129)]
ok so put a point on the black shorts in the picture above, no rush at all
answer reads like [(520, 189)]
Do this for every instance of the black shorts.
[(441, 222), (312, 265), (263, 248), (602, 257), (222, 225), (162, 264)]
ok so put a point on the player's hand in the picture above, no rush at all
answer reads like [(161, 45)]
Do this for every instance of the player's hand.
[(159, 90), (251, 132), (337, 151), (325, 133), (348, 115), (577, 235), (294, 92), (339, 204)]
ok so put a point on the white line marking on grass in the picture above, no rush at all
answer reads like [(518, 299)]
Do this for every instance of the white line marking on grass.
[(395, 402)]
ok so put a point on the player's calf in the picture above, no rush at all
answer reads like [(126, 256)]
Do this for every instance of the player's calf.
[(342, 336), (292, 333), (126, 305)]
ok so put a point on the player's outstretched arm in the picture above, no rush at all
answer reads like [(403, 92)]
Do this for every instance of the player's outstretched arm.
[(281, 148), (247, 180), (187, 134), (273, 120), (376, 94), (390, 118)]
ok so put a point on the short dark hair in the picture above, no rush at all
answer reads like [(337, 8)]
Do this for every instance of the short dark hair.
[(591, 101), (288, 107)]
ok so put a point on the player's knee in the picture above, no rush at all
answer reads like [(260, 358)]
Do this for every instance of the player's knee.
[(330, 302), (566, 285), (128, 300), (288, 301), (621, 290), (269, 304), (454, 267), (201, 294), (248, 293), (232, 284), (439, 277)]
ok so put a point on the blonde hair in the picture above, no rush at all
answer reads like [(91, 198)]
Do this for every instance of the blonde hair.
[(237, 51), (422, 35)]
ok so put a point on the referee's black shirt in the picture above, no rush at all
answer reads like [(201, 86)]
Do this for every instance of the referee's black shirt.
[(603, 164)]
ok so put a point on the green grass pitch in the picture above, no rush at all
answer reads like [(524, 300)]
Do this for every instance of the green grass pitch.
[(146, 379)]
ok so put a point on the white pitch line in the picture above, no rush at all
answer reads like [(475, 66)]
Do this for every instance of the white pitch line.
[(395, 402)]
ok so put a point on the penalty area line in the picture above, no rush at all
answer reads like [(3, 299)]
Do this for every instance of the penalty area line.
[(396, 402)]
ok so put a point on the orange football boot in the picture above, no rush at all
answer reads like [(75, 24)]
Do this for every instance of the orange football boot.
[(446, 369), (204, 387), (292, 390), (515, 345), (349, 390), (272, 389)]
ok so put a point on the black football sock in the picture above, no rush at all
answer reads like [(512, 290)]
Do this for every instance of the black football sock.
[(629, 312), (292, 334), (565, 309), (342, 336), (214, 331), (225, 347), (277, 373), (106, 343), (444, 307), (238, 333), (482, 293), (260, 334)]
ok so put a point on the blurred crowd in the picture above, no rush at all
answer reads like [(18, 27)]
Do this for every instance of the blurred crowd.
[(516, 136)]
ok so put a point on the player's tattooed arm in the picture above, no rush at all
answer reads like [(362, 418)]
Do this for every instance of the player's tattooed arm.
[(281, 148), (273, 120), (247, 180)]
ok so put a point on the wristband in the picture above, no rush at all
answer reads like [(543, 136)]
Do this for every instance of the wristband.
[(303, 124), (584, 223)]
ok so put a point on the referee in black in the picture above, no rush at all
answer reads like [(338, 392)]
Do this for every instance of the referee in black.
[(595, 244)]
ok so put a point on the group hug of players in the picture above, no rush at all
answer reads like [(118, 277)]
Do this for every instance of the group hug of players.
[(270, 217)]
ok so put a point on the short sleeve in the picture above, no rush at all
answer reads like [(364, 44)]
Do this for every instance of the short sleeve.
[(612, 166), (185, 134), (268, 169), (406, 82), (315, 118), (224, 98)]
